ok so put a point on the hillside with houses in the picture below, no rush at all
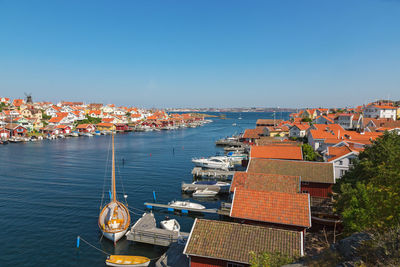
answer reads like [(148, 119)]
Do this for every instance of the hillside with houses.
[(24, 120)]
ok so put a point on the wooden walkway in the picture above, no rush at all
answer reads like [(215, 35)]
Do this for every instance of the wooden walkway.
[(145, 231), (186, 210), (212, 173)]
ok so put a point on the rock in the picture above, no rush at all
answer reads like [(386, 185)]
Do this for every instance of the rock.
[(347, 247)]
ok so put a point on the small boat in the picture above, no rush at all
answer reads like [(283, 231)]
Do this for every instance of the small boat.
[(186, 204), (97, 133), (213, 163), (88, 134), (216, 183), (204, 193), (170, 224), (125, 260)]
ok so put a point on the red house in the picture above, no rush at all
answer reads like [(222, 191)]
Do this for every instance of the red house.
[(122, 127), (86, 128), (317, 178), (64, 129), (4, 133), (227, 244), (16, 129)]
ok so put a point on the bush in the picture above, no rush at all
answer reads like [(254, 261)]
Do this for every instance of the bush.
[(269, 259)]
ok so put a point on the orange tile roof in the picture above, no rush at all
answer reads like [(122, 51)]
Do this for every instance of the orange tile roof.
[(105, 124), (272, 207), (253, 133), (267, 122), (337, 152), (61, 126), (266, 182), (56, 119), (107, 120), (62, 114), (18, 102), (276, 152), (83, 126)]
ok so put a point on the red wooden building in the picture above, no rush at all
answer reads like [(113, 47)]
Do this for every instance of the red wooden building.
[(64, 129), (227, 244), (4, 133), (86, 128), (16, 129), (317, 178), (122, 127)]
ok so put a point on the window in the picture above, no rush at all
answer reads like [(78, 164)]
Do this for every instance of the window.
[(340, 162), (342, 172), (305, 191), (232, 264)]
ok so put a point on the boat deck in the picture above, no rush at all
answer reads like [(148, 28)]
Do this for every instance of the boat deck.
[(185, 209), (212, 173), (193, 187), (145, 231)]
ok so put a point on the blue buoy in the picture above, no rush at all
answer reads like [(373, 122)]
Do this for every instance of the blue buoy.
[(110, 195), (78, 239), (170, 209), (185, 211)]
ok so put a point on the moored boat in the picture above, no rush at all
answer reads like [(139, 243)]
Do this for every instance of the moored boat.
[(125, 260), (170, 224), (205, 193), (186, 204), (114, 218), (222, 163)]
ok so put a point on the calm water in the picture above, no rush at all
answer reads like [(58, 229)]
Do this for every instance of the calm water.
[(51, 191)]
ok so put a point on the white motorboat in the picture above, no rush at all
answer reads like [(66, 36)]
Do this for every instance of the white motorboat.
[(170, 224), (216, 183), (88, 134), (186, 204), (204, 193), (222, 163)]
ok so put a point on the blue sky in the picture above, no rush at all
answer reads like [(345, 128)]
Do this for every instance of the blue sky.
[(287, 53)]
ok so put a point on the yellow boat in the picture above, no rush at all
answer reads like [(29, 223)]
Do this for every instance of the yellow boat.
[(125, 260)]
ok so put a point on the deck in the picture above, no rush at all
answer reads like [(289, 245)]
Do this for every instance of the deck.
[(145, 231)]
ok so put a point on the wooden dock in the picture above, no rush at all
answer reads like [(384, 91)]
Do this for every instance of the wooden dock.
[(186, 210), (145, 231), (212, 173)]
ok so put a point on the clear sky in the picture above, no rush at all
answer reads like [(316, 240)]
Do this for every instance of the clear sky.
[(287, 53)]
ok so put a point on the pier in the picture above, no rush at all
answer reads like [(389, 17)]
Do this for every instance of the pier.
[(145, 231), (212, 173), (186, 209)]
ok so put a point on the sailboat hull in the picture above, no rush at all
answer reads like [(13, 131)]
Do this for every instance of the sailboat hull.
[(114, 236)]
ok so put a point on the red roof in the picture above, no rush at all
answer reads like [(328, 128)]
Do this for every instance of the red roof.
[(337, 152), (83, 126), (266, 182), (272, 207), (253, 133), (105, 124), (277, 152), (56, 119)]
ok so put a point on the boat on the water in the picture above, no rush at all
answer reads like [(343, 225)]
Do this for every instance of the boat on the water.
[(204, 193), (170, 224), (218, 162), (125, 260), (216, 183), (186, 204), (114, 218)]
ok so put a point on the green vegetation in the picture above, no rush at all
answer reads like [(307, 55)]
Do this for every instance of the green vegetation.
[(45, 116), (2, 105), (89, 120), (268, 259), (308, 153), (369, 193), (128, 114), (306, 120)]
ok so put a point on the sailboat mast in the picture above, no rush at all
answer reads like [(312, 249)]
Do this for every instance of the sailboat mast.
[(113, 171)]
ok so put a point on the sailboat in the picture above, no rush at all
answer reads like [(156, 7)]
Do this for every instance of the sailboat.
[(114, 218)]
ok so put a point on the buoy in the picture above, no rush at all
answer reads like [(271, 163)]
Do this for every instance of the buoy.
[(78, 239)]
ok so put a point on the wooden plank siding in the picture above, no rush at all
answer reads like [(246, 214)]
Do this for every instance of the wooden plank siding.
[(317, 189), (208, 262)]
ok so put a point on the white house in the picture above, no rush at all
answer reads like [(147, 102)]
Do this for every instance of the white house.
[(51, 111), (380, 112), (342, 158), (298, 130), (323, 120)]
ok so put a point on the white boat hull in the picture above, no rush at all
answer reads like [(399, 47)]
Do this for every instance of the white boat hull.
[(114, 236), (130, 265)]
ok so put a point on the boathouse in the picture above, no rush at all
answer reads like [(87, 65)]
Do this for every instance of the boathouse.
[(4, 133), (266, 182), (122, 127), (64, 129), (227, 244), (16, 129), (86, 128), (290, 211), (251, 135), (293, 152), (104, 126), (317, 178)]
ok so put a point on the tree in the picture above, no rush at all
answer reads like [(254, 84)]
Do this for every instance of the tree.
[(269, 259), (45, 116), (308, 153), (306, 120), (369, 193), (89, 120)]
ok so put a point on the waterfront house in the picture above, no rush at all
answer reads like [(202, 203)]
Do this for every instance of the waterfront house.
[(280, 131), (4, 133), (293, 152), (290, 211), (104, 126), (122, 127), (266, 182), (268, 122), (228, 244), (64, 129), (317, 178), (50, 130), (86, 128), (16, 129), (251, 135), (298, 130)]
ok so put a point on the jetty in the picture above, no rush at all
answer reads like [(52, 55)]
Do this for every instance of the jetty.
[(185, 209), (145, 231), (198, 172)]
